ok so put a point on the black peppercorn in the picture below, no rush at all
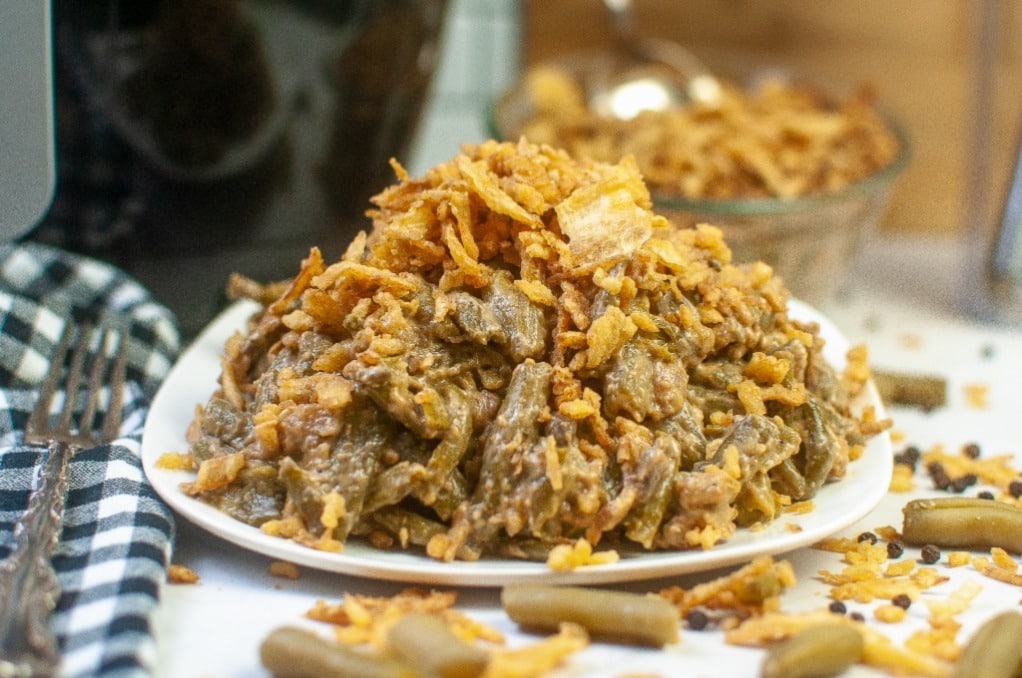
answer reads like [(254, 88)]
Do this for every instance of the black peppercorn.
[(929, 554), (902, 600), (696, 620), (867, 536), (971, 451), (894, 549), (908, 457), (837, 607)]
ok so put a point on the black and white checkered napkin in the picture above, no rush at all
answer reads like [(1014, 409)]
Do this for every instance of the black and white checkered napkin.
[(116, 539)]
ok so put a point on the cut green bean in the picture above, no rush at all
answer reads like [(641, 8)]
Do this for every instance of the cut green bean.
[(610, 615), (819, 447), (963, 522), (818, 651), (426, 642), (628, 385), (657, 468), (994, 650), (522, 321), (354, 460), (290, 652), (516, 427), (400, 522)]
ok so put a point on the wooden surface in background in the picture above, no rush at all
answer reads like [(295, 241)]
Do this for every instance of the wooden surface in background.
[(924, 59)]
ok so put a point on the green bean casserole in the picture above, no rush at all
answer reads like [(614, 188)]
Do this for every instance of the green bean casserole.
[(520, 354)]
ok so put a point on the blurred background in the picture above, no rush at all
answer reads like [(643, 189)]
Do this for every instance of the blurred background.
[(362, 81), (950, 71)]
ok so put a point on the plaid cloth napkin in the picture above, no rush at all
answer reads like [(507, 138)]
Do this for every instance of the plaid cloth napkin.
[(116, 539)]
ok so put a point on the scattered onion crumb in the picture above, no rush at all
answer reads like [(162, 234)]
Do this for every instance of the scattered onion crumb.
[(175, 461), (284, 569), (976, 396), (889, 613), (958, 558), (994, 571), (799, 508), (180, 574), (902, 479), (567, 557)]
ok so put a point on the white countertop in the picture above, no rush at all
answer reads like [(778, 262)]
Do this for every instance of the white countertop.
[(906, 304)]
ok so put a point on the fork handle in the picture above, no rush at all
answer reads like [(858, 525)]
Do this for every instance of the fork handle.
[(29, 587)]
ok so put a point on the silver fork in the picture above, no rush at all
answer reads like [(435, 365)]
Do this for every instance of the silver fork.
[(29, 587)]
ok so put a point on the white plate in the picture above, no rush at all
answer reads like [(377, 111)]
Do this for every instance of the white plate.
[(193, 379)]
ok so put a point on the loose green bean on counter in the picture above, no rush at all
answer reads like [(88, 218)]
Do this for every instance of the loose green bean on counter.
[(817, 651), (611, 615), (963, 522), (426, 642), (994, 650), (289, 652)]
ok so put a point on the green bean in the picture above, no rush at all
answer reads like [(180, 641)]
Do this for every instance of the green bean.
[(453, 490), (654, 475), (994, 650), (717, 374), (515, 428), (354, 460), (628, 386), (817, 651), (425, 641), (474, 319), (455, 440), (612, 615), (255, 496), (393, 484), (402, 396), (787, 479), (685, 427), (819, 447), (289, 652), (963, 522), (756, 501), (522, 321), (761, 444), (417, 529), (690, 339), (925, 391), (532, 501), (304, 490), (711, 399), (224, 422)]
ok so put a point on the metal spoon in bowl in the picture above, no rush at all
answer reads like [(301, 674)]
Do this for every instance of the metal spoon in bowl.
[(650, 74)]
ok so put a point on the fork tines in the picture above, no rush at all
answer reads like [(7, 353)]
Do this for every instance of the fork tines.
[(107, 365)]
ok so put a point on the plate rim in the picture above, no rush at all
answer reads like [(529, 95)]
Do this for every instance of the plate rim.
[(872, 471)]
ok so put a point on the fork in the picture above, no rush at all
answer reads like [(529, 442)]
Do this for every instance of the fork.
[(29, 587)]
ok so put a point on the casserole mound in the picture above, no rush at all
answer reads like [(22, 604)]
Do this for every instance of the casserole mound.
[(520, 354)]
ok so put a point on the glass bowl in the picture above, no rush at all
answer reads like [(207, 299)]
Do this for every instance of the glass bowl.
[(811, 241)]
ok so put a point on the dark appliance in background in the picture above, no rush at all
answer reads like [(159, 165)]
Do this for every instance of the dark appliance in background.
[(195, 138)]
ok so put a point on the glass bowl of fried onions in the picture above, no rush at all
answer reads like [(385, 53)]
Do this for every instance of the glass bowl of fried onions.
[(796, 176)]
